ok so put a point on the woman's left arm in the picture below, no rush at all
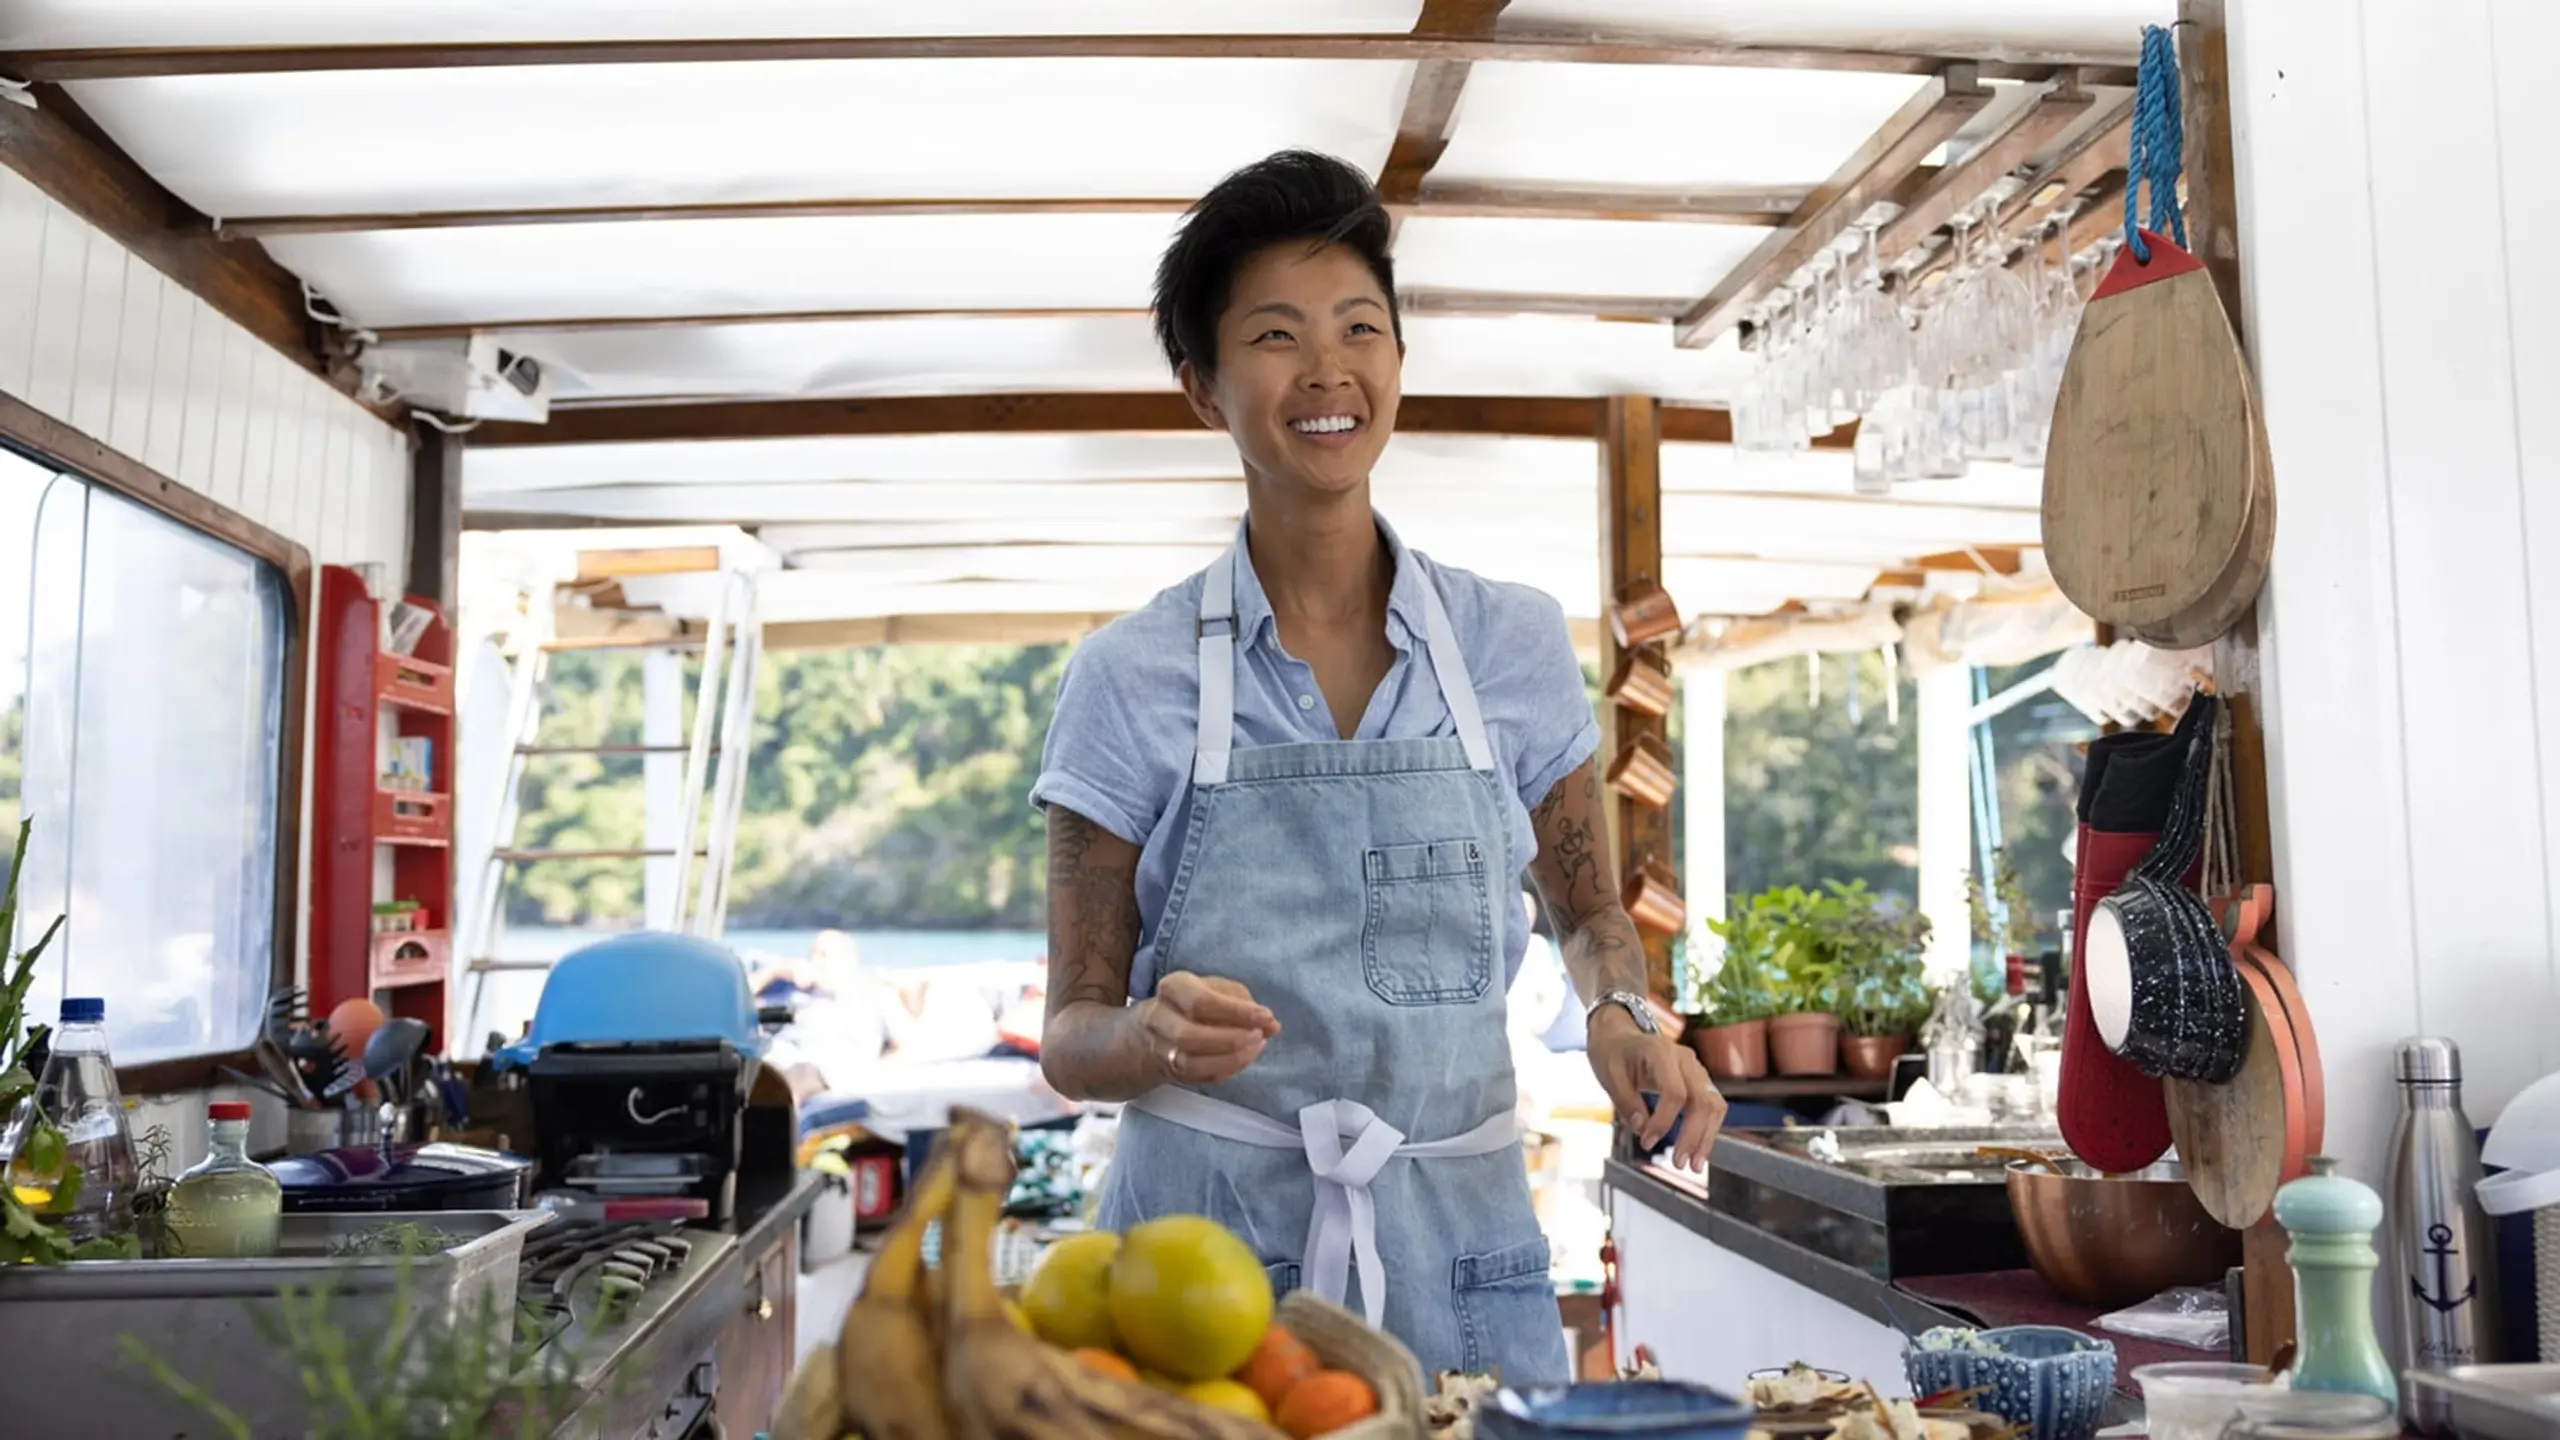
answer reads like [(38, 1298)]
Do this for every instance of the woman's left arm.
[(1578, 879)]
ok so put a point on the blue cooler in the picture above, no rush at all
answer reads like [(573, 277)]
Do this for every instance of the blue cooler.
[(639, 1062)]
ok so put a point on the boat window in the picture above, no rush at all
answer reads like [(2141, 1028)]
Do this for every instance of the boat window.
[(142, 730)]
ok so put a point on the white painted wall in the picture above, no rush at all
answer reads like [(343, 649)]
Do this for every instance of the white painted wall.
[(93, 336), (2396, 208), (1712, 1317)]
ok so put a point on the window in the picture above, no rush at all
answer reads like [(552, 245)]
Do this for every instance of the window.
[(143, 673), (2026, 787)]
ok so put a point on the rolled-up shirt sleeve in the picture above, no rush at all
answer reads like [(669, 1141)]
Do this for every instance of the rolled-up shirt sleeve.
[(1094, 761)]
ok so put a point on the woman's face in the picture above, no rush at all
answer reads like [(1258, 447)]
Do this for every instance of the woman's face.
[(1308, 369)]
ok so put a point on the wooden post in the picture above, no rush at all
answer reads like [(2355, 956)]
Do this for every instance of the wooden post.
[(1631, 550), (2213, 234)]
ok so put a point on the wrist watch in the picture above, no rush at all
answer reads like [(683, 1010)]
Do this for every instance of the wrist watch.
[(1634, 1004)]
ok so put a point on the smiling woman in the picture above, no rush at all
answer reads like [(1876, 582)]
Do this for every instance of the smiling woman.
[(1289, 802)]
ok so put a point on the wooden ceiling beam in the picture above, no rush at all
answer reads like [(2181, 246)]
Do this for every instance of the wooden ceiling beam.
[(1961, 184), (1881, 165), (2096, 158), (1431, 99), (1101, 412), (1458, 202), (1511, 46), (59, 149), (1615, 309)]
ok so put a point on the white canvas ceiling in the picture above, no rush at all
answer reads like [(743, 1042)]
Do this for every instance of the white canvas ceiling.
[(665, 310)]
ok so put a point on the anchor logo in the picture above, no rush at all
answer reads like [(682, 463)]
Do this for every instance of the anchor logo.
[(2440, 1245)]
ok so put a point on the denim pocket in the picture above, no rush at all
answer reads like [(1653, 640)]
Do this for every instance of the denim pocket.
[(1506, 1305), (1428, 937), (1284, 1277)]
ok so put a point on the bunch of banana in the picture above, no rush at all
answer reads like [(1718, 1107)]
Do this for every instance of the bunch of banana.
[(1000, 1383), (932, 1355)]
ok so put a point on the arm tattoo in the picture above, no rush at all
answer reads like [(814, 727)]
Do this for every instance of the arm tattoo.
[(1093, 912), (1577, 878)]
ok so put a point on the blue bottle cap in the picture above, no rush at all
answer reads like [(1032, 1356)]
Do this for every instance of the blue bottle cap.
[(86, 1010)]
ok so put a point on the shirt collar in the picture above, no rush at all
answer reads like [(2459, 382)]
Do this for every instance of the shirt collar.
[(1404, 592)]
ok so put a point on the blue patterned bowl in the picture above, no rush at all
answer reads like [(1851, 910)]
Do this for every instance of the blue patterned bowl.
[(2052, 1380), (1630, 1410)]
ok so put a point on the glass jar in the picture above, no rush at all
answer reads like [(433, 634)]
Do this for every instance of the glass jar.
[(229, 1207)]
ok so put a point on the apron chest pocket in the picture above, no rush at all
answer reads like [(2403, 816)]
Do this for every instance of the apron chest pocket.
[(1428, 938)]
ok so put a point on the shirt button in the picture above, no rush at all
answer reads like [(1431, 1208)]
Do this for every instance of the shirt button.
[(1306, 702)]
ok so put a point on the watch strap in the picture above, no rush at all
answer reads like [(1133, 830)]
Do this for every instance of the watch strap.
[(1635, 1005)]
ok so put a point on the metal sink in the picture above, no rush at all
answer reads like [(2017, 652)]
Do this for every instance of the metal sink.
[(1889, 1202), (1890, 1157)]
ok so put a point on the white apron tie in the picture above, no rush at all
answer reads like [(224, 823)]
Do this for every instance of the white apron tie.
[(1346, 1145)]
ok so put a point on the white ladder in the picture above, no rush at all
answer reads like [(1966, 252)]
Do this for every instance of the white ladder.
[(715, 758)]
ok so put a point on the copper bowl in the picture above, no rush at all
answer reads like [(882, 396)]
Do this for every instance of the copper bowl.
[(2112, 1241)]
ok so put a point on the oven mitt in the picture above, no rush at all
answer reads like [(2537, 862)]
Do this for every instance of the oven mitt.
[(2111, 1114)]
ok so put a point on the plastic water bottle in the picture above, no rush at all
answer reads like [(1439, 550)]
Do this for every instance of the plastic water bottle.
[(90, 1193)]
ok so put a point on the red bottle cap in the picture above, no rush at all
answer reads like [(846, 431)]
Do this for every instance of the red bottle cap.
[(228, 1109)]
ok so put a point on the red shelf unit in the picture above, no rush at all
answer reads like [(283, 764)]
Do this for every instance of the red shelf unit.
[(358, 817)]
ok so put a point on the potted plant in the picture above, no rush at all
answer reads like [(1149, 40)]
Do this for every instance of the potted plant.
[(1731, 1007), (1878, 944), (2010, 928), (1804, 1030)]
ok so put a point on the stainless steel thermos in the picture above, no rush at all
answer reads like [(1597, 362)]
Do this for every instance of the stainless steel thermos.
[(2443, 1266)]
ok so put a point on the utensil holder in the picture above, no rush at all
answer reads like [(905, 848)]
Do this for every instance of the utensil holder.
[(309, 1132)]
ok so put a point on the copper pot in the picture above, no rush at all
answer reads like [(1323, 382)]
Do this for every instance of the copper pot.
[(2112, 1241), (1644, 773), (1641, 684), (1642, 614)]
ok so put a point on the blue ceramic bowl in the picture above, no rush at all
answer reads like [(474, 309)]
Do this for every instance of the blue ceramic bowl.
[(1630, 1410), (2052, 1380)]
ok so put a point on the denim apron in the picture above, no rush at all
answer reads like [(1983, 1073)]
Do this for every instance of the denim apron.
[(1372, 1152)]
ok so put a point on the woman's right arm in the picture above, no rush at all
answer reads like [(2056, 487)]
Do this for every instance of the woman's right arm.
[(1095, 1045)]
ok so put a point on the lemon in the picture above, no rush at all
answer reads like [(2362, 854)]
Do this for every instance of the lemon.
[(1068, 1297), (1188, 1299), (1020, 1321), (1231, 1397)]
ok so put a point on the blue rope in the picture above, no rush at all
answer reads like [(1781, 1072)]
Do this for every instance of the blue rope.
[(2159, 142)]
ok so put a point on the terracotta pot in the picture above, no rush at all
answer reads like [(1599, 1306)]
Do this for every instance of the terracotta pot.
[(1733, 1052), (1871, 1057), (1805, 1044)]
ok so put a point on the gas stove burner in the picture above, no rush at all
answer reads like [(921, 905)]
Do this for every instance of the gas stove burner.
[(589, 1273)]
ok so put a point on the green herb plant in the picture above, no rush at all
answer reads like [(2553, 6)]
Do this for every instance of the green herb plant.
[(478, 1373), (1740, 989), (26, 1235)]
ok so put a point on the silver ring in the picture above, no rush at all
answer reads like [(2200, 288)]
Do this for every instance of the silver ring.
[(1173, 1059)]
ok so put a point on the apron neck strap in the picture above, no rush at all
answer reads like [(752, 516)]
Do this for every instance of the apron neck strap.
[(1217, 726)]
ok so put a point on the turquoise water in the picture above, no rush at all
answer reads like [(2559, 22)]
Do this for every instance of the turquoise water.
[(888, 949)]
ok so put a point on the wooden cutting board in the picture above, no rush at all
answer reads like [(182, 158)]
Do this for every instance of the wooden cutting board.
[(2241, 1140), (2148, 476), (2235, 593)]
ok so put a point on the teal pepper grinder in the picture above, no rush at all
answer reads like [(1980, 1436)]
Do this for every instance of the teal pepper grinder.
[(2332, 1219)]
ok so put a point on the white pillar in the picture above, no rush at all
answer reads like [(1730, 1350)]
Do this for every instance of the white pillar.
[(1702, 882), (662, 781), (1946, 815)]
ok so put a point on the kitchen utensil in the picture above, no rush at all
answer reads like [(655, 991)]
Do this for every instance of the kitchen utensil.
[(2148, 482), (353, 1023), (334, 1127), (2332, 1219), (2111, 1241), (1644, 772), (392, 1050), (2243, 1139), (1634, 1409), (2441, 1250), (1641, 683), (2114, 1116), (1642, 614), (281, 1071), (411, 1177), (2161, 986), (288, 1010), (2234, 593), (319, 1058), (2195, 1400), (258, 1082), (2053, 1381)]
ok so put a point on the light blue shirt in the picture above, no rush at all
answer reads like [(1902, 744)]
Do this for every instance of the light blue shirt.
[(1120, 745)]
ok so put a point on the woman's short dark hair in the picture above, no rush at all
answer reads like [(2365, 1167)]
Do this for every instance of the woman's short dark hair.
[(1294, 195)]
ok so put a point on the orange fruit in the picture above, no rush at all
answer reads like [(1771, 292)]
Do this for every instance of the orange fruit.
[(1277, 1365), (1103, 1362), (1228, 1396), (1325, 1402), (1188, 1298)]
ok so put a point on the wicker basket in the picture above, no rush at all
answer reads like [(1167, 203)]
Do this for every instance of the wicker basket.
[(1344, 1342)]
